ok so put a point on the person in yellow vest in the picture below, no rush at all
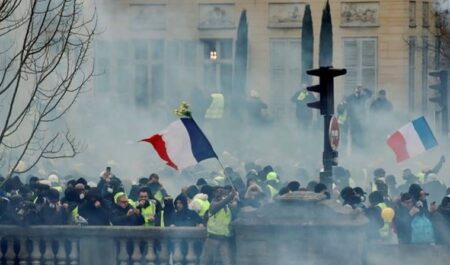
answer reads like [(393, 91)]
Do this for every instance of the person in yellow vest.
[(149, 207), (158, 192), (200, 204), (218, 227), (272, 184), (342, 117), (303, 113), (216, 109), (123, 213), (378, 229)]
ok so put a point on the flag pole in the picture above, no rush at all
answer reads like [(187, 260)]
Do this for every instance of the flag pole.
[(184, 111), (228, 177)]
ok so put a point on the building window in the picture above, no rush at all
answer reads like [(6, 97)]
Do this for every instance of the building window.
[(412, 73), (148, 56), (412, 14), (111, 67), (182, 69), (425, 74), (218, 71), (285, 74), (360, 60), (426, 14)]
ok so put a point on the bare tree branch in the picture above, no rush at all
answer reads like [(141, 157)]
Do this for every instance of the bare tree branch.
[(48, 66)]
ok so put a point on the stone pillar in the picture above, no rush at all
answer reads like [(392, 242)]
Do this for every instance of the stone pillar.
[(300, 228)]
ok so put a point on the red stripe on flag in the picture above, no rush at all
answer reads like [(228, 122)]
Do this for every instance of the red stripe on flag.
[(398, 144), (160, 147)]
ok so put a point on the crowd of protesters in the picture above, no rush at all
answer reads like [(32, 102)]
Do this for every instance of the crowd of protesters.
[(214, 201)]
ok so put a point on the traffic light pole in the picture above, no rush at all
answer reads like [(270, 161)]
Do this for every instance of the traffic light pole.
[(326, 106), (328, 156)]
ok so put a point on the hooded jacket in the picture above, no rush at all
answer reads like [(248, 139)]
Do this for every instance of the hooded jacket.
[(185, 217), (199, 204)]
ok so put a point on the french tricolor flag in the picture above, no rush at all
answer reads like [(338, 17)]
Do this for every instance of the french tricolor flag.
[(412, 139), (182, 144)]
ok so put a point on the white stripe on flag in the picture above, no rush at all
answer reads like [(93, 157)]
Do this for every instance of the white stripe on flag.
[(413, 143), (178, 145)]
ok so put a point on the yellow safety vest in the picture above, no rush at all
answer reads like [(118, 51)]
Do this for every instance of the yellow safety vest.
[(342, 118), (148, 212), (204, 206), (215, 110), (58, 188), (132, 203), (219, 223), (302, 95), (421, 177), (159, 197), (384, 231), (273, 191), (75, 214)]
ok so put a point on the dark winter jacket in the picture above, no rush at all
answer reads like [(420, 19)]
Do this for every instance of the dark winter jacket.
[(441, 224), (49, 215), (119, 217), (94, 216), (185, 217), (402, 224)]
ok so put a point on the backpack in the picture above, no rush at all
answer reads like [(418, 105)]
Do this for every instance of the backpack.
[(422, 230)]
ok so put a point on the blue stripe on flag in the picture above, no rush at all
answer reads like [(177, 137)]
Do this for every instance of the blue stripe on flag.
[(201, 148), (424, 132)]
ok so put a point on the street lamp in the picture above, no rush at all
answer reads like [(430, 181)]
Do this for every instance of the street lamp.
[(213, 55)]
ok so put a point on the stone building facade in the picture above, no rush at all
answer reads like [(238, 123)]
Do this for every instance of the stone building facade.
[(154, 51)]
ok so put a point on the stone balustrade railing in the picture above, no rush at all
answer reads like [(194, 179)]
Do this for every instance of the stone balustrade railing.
[(90, 245)]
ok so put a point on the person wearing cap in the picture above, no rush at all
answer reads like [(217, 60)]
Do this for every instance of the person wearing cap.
[(362, 194), (272, 184), (123, 213), (350, 198), (419, 197), (441, 222)]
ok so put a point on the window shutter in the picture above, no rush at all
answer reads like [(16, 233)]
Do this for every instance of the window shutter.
[(351, 58), (368, 61)]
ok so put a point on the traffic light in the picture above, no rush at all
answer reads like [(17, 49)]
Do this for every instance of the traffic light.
[(326, 106), (441, 88), (325, 88)]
